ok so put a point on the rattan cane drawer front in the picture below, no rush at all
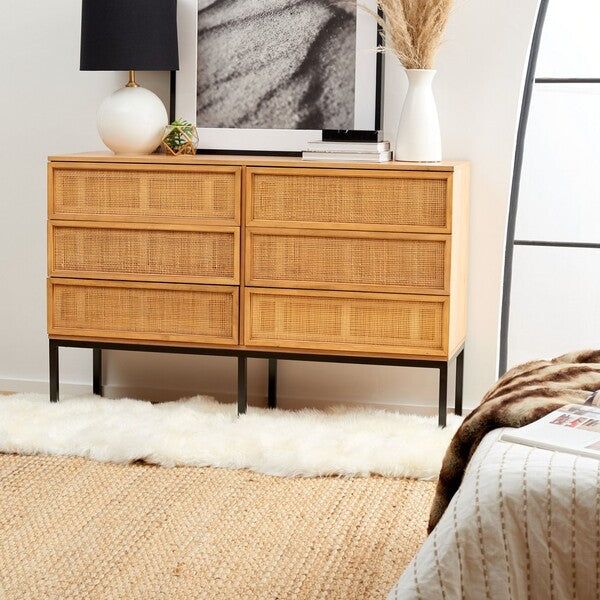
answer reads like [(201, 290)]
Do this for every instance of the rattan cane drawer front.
[(144, 252), (388, 262), (208, 195), (349, 199), (352, 322), (143, 311)]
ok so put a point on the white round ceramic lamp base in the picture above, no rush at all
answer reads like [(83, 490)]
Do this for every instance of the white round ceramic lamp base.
[(132, 121)]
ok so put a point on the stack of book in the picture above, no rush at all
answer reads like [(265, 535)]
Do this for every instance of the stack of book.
[(346, 151)]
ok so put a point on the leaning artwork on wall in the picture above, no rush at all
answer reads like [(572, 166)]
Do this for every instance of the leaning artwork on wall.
[(268, 76)]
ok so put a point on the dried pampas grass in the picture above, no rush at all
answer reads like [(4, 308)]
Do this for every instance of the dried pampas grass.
[(412, 29)]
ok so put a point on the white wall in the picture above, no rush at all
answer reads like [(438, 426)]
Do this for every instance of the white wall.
[(49, 107)]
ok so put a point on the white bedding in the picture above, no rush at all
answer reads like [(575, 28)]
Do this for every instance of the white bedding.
[(525, 523)]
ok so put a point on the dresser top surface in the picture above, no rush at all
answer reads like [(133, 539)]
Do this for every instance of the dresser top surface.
[(253, 161)]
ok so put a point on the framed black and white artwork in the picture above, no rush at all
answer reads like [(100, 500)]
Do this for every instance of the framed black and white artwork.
[(269, 75)]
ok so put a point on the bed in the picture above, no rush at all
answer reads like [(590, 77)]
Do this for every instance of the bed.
[(524, 523), (508, 521)]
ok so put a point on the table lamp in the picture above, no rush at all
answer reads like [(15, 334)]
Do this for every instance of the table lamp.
[(130, 35)]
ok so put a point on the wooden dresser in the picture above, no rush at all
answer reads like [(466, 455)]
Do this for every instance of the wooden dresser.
[(259, 257)]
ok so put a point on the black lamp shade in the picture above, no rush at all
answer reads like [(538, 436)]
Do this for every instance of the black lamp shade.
[(123, 35)]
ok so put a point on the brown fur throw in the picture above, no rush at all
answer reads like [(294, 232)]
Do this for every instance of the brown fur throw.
[(523, 395)]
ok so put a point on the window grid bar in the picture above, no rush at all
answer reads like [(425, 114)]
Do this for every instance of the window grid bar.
[(567, 80), (557, 244)]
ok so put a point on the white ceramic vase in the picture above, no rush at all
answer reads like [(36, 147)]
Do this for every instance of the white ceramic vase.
[(418, 138)]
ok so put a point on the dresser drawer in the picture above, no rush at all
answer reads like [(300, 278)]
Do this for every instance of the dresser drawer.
[(208, 195), (353, 322), (388, 262), (349, 199), (143, 252), (143, 311)]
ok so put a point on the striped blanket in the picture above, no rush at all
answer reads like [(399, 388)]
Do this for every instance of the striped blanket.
[(523, 395), (524, 525), (509, 521)]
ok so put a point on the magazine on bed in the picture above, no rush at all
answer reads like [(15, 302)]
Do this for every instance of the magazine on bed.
[(574, 428)]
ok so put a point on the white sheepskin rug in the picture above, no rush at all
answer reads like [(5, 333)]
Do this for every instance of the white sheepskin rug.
[(201, 432)]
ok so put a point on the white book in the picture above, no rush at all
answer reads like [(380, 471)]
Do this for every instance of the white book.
[(574, 428), (381, 157), (368, 147)]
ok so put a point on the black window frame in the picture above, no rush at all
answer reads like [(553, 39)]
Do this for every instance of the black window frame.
[(530, 81)]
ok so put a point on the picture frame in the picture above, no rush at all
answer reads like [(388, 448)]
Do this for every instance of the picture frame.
[(368, 92)]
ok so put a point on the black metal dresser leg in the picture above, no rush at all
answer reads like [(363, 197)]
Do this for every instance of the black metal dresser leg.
[(97, 379), (242, 383), (460, 372), (53, 364), (272, 396), (443, 394)]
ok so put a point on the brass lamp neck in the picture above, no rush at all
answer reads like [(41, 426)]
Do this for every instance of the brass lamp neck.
[(132, 82)]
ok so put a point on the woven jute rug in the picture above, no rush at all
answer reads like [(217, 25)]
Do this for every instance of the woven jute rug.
[(72, 528)]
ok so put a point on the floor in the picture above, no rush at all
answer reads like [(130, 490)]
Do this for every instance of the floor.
[(72, 528)]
